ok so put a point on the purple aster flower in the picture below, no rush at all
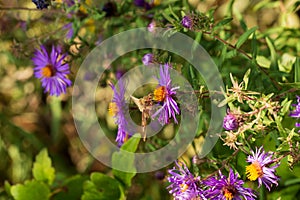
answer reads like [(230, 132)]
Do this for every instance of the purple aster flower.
[(164, 94), (230, 122), (148, 59), (224, 188), (260, 168), (117, 109), (183, 184), (40, 4), (187, 22), (51, 70)]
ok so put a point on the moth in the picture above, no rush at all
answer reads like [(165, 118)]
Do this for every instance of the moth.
[(145, 105)]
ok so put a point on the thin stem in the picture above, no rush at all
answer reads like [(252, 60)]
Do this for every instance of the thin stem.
[(245, 54)]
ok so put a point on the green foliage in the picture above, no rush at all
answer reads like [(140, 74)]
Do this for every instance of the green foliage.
[(254, 44), (72, 188), (42, 168), (119, 158), (33, 189), (101, 187)]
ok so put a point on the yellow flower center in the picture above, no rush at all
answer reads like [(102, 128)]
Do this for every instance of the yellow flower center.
[(254, 171), (156, 2), (184, 187), (227, 194), (48, 71), (159, 94), (112, 108)]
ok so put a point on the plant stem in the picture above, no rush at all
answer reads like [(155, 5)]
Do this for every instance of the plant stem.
[(245, 54), (55, 106)]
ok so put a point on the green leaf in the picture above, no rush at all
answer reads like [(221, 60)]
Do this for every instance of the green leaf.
[(254, 46), (245, 36), (273, 53), (42, 169), (172, 12), (246, 78), (297, 70), (223, 22), (126, 160), (263, 61), (31, 190), (291, 85), (101, 187), (73, 188)]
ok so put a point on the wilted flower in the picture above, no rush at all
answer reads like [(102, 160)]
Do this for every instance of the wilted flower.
[(148, 59), (187, 22), (165, 94), (51, 70), (259, 168), (223, 188), (184, 186), (117, 108), (230, 122), (40, 4)]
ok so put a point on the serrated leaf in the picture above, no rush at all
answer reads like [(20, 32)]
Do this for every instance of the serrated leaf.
[(101, 187), (31, 190), (125, 159), (244, 37), (42, 168)]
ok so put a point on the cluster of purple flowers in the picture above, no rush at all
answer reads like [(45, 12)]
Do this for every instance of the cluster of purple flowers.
[(185, 186)]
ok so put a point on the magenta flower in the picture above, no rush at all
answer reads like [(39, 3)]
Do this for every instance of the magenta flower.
[(227, 188), (230, 122), (187, 22), (184, 186), (51, 70), (164, 94), (260, 168)]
